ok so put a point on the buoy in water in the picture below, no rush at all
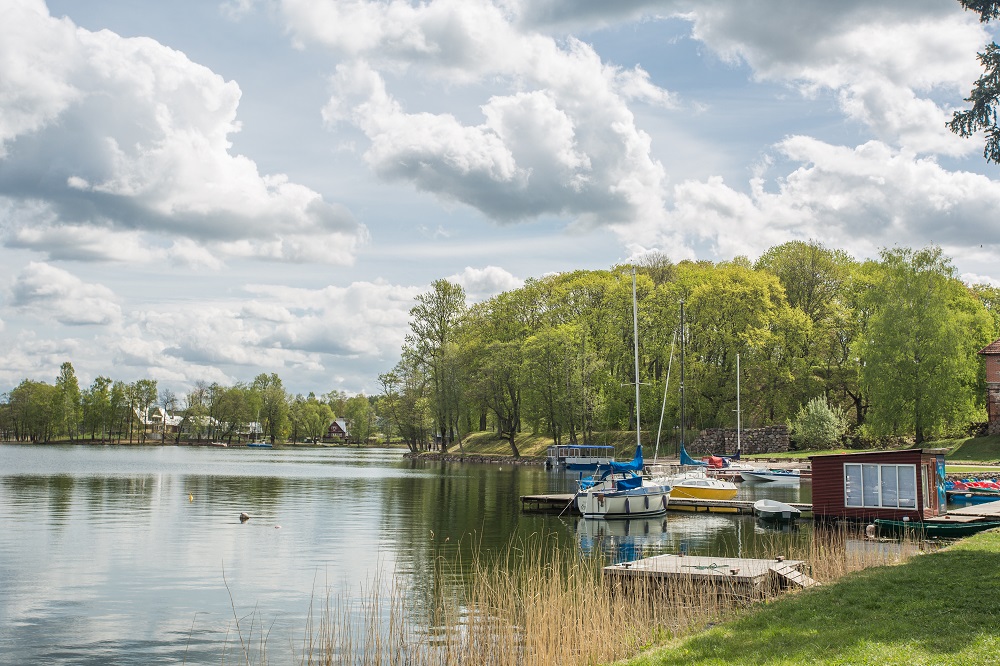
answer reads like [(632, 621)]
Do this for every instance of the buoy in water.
[(244, 517), (190, 498)]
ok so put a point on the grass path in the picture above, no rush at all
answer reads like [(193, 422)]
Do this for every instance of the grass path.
[(939, 608)]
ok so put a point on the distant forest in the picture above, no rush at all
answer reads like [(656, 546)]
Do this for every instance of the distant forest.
[(891, 343)]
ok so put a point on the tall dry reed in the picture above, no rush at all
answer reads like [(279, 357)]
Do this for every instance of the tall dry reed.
[(535, 603)]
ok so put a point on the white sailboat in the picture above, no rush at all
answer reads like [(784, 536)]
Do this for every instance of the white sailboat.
[(619, 490)]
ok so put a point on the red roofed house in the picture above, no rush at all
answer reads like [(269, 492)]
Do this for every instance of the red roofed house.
[(992, 354)]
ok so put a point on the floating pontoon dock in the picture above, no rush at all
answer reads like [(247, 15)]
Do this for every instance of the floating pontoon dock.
[(731, 574)]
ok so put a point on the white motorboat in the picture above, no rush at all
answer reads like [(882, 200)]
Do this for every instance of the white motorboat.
[(789, 476)]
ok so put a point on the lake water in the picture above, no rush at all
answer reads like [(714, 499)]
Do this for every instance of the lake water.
[(136, 555)]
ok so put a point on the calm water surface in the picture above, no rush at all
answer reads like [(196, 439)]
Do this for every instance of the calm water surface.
[(115, 555)]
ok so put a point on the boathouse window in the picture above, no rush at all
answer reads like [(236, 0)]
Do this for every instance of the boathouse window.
[(880, 486)]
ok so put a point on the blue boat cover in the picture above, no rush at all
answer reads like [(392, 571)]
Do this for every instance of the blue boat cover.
[(688, 460)]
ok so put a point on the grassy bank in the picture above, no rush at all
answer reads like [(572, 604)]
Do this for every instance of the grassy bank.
[(936, 609), (536, 605), (973, 449)]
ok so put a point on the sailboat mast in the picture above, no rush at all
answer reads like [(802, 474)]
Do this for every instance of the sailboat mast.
[(681, 441), (739, 423), (635, 337)]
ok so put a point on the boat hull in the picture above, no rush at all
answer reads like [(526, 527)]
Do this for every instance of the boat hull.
[(702, 492), (634, 503), (927, 530), (768, 476), (969, 497), (772, 510)]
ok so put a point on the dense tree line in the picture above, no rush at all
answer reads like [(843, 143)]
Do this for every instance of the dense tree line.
[(117, 411), (890, 342)]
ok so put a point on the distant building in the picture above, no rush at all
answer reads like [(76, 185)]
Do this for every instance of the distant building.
[(879, 484), (338, 430), (992, 354)]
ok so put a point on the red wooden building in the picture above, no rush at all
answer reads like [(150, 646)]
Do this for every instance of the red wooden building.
[(881, 484), (991, 352)]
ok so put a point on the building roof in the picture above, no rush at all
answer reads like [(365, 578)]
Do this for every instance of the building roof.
[(992, 348), (876, 453)]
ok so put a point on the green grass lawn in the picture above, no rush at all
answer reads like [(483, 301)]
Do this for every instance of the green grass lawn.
[(938, 608), (975, 449)]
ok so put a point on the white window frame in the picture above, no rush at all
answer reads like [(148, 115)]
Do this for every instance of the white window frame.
[(869, 497)]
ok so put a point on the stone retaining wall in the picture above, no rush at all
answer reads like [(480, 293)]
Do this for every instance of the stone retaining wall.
[(717, 441)]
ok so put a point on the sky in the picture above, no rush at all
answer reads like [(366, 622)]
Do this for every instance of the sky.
[(204, 190)]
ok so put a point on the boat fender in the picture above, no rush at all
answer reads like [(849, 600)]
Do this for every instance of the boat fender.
[(647, 502), (627, 511), (663, 501)]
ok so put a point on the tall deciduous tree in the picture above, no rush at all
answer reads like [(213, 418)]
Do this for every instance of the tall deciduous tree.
[(919, 348), (97, 413), (432, 323), (69, 401), (273, 402)]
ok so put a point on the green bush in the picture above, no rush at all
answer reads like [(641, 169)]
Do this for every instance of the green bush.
[(819, 426)]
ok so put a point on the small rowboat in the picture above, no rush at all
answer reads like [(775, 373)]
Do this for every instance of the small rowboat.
[(769, 509), (936, 530)]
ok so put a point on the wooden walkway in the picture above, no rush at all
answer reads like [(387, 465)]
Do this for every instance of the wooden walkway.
[(970, 514), (563, 503), (740, 575)]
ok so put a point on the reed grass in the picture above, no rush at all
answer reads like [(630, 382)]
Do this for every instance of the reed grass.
[(536, 603)]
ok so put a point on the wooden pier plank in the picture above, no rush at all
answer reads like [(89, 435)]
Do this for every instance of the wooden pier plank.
[(987, 510)]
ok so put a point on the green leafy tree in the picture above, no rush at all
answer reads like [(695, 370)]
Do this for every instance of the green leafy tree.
[(989, 296), (818, 282), (96, 406), (818, 425), (68, 408), (33, 411), (920, 368), (360, 418), (406, 401), (273, 401), (432, 324)]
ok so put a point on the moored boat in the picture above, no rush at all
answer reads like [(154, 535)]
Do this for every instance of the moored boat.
[(970, 497), (693, 483), (619, 490), (579, 457), (771, 475), (769, 509), (932, 530)]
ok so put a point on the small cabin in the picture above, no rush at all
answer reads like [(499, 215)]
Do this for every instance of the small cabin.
[(881, 484), (337, 430)]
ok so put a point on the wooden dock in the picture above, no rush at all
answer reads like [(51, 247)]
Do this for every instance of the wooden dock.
[(549, 503), (740, 576), (563, 503), (969, 514)]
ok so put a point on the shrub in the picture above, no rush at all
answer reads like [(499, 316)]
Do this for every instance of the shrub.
[(817, 425)]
